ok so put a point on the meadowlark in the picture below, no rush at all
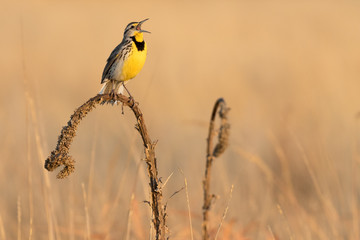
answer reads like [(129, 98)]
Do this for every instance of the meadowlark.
[(126, 60)]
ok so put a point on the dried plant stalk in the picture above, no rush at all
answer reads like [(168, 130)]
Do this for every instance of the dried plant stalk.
[(60, 156), (212, 152)]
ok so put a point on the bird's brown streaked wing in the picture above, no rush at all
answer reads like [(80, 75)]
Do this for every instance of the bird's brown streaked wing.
[(110, 61)]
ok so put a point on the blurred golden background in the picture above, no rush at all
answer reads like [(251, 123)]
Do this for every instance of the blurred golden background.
[(289, 71)]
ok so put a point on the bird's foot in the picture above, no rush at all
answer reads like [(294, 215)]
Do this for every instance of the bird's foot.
[(112, 95)]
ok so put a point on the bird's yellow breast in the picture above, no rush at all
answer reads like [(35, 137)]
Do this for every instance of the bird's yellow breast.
[(134, 63)]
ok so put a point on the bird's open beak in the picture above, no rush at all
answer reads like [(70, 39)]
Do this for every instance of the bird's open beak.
[(138, 26)]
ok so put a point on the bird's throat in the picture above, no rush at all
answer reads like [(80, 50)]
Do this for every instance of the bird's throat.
[(139, 42)]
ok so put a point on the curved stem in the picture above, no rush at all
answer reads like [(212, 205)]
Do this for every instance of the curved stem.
[(212, 152), (60, 156)]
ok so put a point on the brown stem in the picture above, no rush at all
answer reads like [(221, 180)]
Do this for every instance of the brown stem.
[(60, 156), (212, 152)]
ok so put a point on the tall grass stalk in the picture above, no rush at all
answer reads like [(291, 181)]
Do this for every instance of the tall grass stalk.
[(60, 156), (214, 151)]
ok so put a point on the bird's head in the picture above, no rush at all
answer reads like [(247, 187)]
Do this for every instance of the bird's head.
[(133, 29)]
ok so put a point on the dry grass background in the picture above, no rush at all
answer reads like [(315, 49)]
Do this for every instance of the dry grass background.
[(289, 71)]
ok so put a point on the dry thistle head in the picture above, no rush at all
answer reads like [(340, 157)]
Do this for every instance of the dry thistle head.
[(224, 130), (223, 139), (56, 159)]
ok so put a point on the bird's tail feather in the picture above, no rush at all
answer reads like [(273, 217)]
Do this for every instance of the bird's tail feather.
[(106, 88)]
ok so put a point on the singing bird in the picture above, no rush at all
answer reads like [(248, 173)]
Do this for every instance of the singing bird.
[(126, 60)]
